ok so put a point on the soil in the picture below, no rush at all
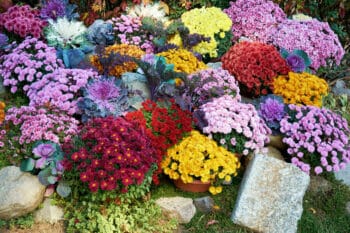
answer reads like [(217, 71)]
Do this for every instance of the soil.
[(39, 228)]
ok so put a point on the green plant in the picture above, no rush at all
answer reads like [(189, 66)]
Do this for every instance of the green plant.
[(339, 104), (24, 222)]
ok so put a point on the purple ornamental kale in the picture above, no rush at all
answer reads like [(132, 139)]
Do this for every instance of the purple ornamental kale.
[(103, 91), (272, 110), (296, 63), (43, 151), (53, 9)]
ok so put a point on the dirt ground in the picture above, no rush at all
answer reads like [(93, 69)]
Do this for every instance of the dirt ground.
[(39, 228)]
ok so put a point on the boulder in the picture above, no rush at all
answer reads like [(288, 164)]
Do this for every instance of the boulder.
[(344, 175), (180, 208), (270, 196), (49, 213), (20, 192), (204, 204), (274, 153)]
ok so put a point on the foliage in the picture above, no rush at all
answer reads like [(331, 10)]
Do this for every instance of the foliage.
[(255, 66), (317, 139), (24, 222), (165, 123), (301, 88), (197, 157), (339, 104), (161, 77)]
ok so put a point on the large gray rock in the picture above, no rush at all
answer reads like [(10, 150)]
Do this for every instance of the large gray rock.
[(344, 175), (180, 208), (20, 193), (270, 196), (49, 213), (273, 152)]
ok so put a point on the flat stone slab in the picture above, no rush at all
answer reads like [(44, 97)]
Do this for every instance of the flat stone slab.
[(344, 175), (270, 196)]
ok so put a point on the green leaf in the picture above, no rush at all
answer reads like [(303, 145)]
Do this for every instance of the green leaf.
[(44, 175), (304, 55), (63, 189), (27, 165), (284, 53)]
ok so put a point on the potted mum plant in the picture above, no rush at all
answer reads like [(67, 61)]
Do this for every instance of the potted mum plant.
[(197, 164)]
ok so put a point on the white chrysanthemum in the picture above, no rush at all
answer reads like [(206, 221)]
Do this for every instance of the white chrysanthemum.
[(65, 34), (153, 10), (301, 17)]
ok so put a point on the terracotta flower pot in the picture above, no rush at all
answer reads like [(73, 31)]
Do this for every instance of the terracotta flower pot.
[(196, 186)]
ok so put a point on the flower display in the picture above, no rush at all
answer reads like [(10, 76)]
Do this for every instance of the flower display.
[(197, 157), (103, 97), (203, 86), (63, 33), (27, 63), (37, 124), (254, 18), (301, 88), (214, 29), (183, 60), (128, 30), (114, 154), (60, 89), (53, 9), (2, 111), (22, 21), (123, 50), (292, 34), (297, 60), (165, 125), (254, 65), (317, 139), (236, 126), (155, 10), (271, 109)]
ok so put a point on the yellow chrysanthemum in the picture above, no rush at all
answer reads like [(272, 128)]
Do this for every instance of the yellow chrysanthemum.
[(183, 60), (301, 88), (123, 49)]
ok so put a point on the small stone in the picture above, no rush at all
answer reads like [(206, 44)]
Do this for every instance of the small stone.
[(344, 175), (204, 204), (20, 192), (319, 184), (49, 213), (180, 208), (274, 153), (270, 196)]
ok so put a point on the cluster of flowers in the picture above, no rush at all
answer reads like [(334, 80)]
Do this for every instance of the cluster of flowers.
[(183, 60), (39, 124), (254, 65), (236, 126), (22, 21), (254, 18), (115, 155), (301, 88), (312, 36), (27, 63), (123, 50), (317, 139), (60, 89), (271, 109), (211, 83), (128, 30), (198, 157), (214, 29), (165, 125)]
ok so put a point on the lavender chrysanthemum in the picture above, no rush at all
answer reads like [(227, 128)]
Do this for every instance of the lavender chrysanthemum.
[(272, 110), (53, 9)]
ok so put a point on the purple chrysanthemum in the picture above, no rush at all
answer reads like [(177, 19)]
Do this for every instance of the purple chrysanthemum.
[(53, 9)]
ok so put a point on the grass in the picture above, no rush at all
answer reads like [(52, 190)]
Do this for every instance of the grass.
[(324, 212)]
